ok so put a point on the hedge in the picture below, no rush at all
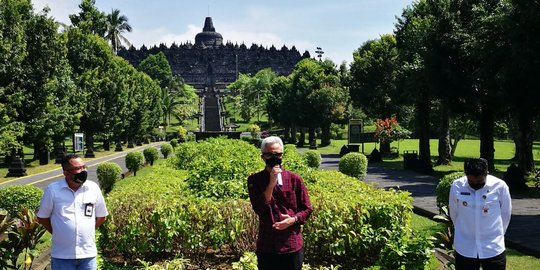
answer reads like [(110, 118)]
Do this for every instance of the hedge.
[(218, 168), (353, 224), (157, 217), (17, 196)]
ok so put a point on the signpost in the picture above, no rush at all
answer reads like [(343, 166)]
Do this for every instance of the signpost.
[(357, 135), (78, 142)]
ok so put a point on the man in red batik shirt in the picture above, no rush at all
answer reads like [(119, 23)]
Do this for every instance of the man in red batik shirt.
[(281, 201)]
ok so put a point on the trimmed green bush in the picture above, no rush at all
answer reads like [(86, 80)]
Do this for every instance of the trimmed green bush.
[(174, 143), (354, 164), (108, 173), (157, 217), (182, 134), (134, 161), (353, 222), (218, 167), (443, 188), (313, 158), (13, 198), (166, 150), (151, 154)]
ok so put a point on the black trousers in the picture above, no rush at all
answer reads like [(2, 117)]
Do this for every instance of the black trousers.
[(284, 261), (494, 263)]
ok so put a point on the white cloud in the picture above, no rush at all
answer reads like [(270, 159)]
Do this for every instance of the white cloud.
[(59, 9)]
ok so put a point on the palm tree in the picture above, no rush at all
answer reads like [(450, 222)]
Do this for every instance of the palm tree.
[(116, 25), (169, 103)]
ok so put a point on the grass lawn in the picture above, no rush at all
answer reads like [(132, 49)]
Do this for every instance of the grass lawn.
[(504, 151), (515, 259)]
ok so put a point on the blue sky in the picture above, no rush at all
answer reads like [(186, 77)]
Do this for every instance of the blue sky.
[(338, 26)]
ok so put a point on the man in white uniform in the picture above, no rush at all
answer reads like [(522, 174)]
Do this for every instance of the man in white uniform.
[(480, 207), (71, 209)]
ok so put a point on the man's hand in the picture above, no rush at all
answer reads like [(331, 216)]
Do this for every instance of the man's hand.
[(272, 183), (286, 222)]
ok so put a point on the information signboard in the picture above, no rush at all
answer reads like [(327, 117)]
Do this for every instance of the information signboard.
[(78, 142), (356, 128)]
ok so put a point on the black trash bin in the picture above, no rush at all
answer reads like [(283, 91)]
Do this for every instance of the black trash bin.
[(43, 156), (410, 159)]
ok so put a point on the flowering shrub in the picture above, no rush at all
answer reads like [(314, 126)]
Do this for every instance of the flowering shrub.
[(384, 131)]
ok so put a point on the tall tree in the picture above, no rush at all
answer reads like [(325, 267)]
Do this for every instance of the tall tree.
[(158, 68), (90, 19), (90, 58), (51, 109), (117, 25), (520, 22), (251, 92), (486, 45), (373, 79), (14, 15), (412, 31)]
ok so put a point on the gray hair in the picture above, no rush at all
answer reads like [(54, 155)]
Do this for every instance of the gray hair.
[(271, 140)]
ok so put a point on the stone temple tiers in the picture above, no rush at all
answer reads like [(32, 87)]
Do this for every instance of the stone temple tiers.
[(210, 65)]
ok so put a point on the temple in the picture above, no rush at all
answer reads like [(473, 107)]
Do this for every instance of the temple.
[(209, 65)]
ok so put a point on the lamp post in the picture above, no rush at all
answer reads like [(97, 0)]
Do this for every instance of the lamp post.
[(319, 53)]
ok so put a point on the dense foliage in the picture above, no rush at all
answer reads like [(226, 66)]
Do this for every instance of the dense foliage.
[(218, 168), (354, 164), (18, 196), (157, 217)]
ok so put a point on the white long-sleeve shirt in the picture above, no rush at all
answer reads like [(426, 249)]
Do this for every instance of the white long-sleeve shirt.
[(480, 217)]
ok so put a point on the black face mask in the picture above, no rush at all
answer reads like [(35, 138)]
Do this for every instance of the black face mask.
[(477, 186), (272, 162), (80, 177)]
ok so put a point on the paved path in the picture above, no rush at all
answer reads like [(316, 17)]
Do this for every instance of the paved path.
[(43, 179), (523, 232)]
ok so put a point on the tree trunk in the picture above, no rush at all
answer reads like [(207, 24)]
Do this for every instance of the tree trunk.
[(424, 152), (487, 123), (312, 137), (325, 135), (454, 146), (526, 127), (287, 134), (385, 148), (302, 139), (516, 134), (445, 149), (293, 134)]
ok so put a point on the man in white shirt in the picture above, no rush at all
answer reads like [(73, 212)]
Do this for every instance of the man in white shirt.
[(480, 207), (71, 209)]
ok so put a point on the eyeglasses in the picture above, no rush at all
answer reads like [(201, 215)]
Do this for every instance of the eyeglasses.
[(272, 155), (80, 168)]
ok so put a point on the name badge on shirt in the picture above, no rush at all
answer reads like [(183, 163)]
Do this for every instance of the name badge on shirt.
[(485, 210), (465, 193), (88, 209)]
